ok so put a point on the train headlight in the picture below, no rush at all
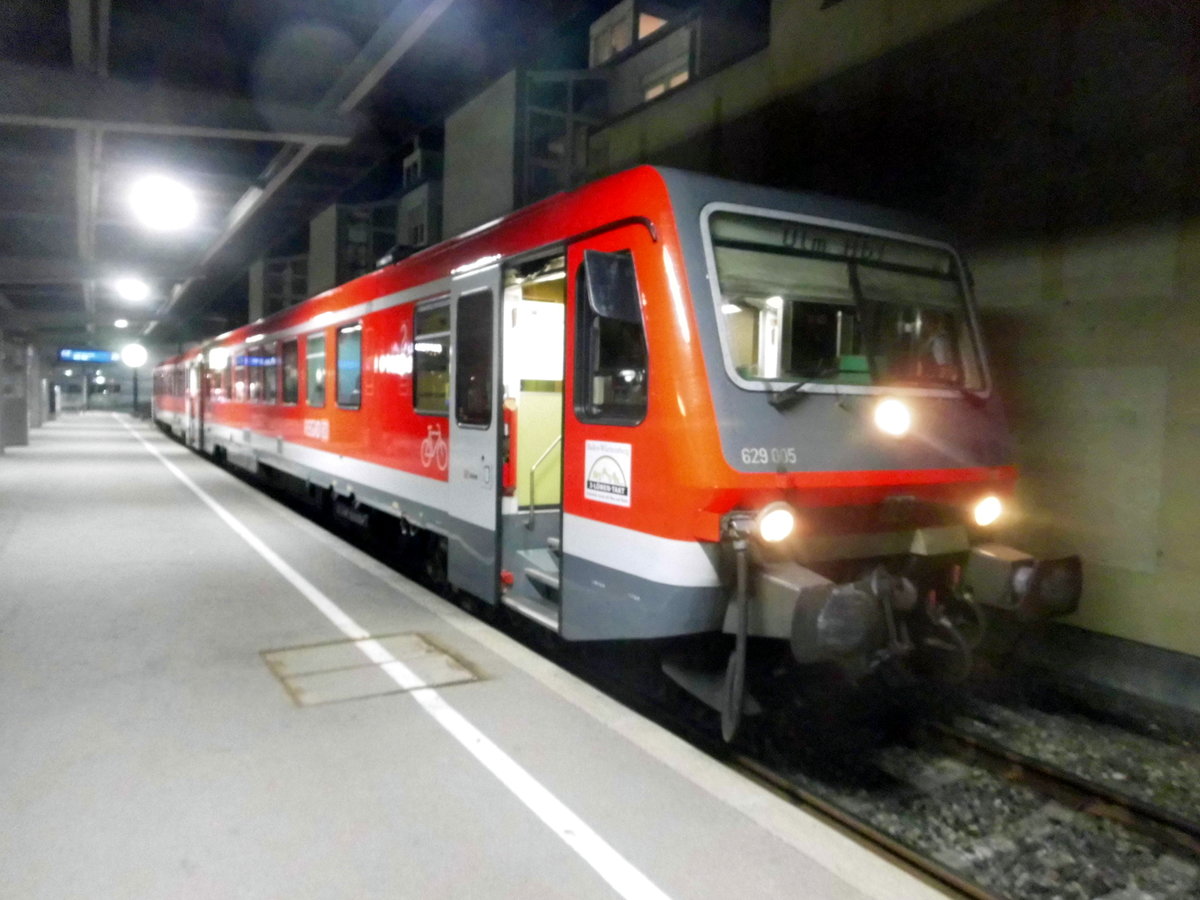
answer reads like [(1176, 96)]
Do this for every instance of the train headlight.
[(892, 417), (775, 522), (988, 510)]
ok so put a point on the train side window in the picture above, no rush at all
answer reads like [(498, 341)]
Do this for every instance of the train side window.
[(349, 367), (431, 358), (314, 353), (270, 372), (254, 372), (240, 388), (610, 341), (291, 371), (473, 353)]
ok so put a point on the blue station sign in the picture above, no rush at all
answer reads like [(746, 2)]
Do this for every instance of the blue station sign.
[(88, 356)]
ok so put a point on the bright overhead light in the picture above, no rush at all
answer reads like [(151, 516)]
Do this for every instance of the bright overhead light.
[(68, 373), (99, 379), (730, 308), (775, 302), (134, 355), (163, 204), (121, 323), (132, 289)]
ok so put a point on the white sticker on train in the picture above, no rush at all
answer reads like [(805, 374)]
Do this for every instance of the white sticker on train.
[(608, 471), (318, 429)]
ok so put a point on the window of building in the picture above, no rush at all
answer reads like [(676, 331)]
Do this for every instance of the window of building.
[(285, 282), (314, 353), (367, 232), (611, 358), (473, 360), (415, 231), (349, 367), (431, 357), (610, 36), (412, 170), (666, 78), (648, 24), (290, 356)]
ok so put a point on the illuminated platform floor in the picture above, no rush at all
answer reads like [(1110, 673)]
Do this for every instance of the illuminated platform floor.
[(177, 658)]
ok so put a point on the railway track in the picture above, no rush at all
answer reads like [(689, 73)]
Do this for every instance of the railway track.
[(1072, 789)]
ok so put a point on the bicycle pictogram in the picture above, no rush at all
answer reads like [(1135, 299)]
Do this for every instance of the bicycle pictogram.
[(435, 447)]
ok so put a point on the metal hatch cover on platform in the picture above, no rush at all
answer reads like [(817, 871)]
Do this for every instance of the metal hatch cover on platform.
[(338, 670)]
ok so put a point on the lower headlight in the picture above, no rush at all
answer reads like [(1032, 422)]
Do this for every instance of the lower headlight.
[(988, 510), (893, 417), (775, 522)]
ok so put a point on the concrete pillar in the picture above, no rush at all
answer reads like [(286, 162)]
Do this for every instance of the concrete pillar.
[(35, 414), (255, 290), (323, 251)]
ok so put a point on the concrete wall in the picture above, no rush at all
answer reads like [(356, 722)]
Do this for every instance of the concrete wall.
[(480, 158), (1061, 142), (1096, 339)]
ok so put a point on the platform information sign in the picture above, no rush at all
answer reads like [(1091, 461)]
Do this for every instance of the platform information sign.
[(88, 356)]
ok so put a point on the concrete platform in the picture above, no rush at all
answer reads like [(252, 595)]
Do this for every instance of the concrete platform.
[(148, 748)]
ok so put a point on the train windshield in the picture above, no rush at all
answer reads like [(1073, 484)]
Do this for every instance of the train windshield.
[(806, 303)]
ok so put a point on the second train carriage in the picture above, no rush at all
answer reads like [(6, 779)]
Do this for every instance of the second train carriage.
[(663, 404)]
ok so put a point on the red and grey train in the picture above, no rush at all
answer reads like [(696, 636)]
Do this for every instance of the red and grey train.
[(660, 405)]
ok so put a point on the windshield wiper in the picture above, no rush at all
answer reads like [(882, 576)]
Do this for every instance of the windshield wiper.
[(793, 393)]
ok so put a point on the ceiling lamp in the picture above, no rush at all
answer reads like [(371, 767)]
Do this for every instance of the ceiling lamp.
[(132, 289), (163, 204)]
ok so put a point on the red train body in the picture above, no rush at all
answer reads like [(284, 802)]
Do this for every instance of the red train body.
[(591, 405)]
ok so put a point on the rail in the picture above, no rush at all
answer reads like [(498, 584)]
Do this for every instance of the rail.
[(533, 480)]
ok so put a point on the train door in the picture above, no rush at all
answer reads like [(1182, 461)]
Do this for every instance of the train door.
[(193, 392), (533, 331), (474, 471), (607, 399)]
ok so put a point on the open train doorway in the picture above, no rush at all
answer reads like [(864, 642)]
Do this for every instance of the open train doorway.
[(533, 331)]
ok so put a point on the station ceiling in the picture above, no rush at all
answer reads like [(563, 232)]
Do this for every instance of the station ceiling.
[(269, 109)]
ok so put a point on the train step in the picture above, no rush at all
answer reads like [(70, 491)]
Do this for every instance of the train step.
[(546, 582), (539, 609)]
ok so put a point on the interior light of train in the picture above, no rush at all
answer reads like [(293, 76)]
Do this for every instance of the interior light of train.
[(988, 510), (893, 417), (482, 263)]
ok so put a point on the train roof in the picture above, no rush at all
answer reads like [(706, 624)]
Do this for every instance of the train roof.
[(656, 190)]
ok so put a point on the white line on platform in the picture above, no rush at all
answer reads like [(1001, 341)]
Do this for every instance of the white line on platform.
[(620, 874), (807, 833)]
